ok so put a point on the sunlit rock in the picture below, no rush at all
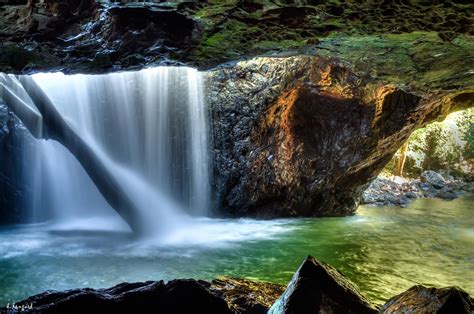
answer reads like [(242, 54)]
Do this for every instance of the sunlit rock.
[(433, 178)]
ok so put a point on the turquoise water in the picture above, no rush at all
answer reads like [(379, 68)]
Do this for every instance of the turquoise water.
[(383, 250)]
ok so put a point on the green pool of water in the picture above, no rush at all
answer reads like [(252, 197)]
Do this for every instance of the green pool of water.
[(383, 250)]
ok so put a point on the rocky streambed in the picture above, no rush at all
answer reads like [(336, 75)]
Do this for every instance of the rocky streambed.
[(316, 287), (398, 191)]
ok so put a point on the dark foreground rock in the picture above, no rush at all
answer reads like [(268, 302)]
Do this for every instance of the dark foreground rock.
[(420, 299), (319, 288), (177, 296)]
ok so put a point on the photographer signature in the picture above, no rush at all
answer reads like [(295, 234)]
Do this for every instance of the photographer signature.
[(15, 308)]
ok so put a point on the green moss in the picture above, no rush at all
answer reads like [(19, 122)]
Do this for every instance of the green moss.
[(402, 44), (419, 59), (266, 45), (445, 145), (215, 7), (230, 39)]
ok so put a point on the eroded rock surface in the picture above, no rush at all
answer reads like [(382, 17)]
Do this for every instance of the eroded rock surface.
[(303, 136), (15, 144)]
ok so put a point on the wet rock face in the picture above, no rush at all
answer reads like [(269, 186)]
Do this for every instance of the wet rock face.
[(420, 299), (293, 142), (319, 288)]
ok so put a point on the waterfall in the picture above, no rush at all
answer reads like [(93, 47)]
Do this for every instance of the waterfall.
[(150, 127)]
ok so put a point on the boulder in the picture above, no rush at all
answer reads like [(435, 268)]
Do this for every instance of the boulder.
[(305, 136), (319, 288), (433, 178), (420, 300), (177, 296)]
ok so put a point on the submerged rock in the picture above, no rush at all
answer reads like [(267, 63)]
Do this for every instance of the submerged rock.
[(447, 194), (424, 300), (317, 287)]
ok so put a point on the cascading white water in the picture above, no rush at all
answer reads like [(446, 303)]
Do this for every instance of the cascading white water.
[(150, 128)]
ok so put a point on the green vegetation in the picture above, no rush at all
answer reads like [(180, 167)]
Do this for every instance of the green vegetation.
[(418, 59), (469, 139), (447, 145)]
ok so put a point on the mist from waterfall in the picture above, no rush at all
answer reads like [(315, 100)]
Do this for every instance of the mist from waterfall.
[(150, 127)]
